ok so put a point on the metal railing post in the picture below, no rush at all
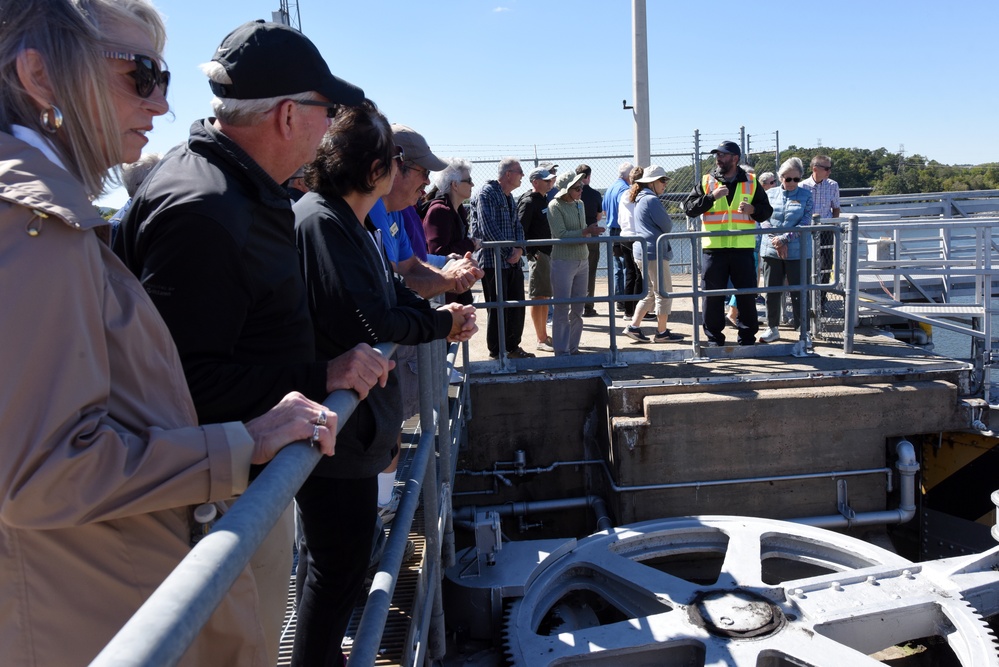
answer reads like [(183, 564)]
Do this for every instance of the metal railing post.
[(162, 629), (697, 157), (852, 283), (436, 643)]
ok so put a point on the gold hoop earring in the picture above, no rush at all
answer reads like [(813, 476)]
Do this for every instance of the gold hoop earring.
[(51, 119)]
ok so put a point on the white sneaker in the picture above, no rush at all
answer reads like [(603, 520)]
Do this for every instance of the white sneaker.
[(770, 335)]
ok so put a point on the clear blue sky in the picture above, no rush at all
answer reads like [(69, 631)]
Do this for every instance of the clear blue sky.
[(475, 76)]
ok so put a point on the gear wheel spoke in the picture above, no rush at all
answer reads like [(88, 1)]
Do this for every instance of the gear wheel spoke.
[(767, 590)]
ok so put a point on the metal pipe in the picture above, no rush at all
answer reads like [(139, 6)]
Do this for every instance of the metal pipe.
[(524, 471), (852, 286), (163, 628), (907, 466), (466, 514), (744, 480), (369, 632)]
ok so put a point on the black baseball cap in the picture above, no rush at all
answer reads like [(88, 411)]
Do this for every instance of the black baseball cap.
[(256, 57), (729, 147)]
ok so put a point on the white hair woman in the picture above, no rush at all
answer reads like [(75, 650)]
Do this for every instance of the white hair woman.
[(446, 220), (783, 249), (103, 457)]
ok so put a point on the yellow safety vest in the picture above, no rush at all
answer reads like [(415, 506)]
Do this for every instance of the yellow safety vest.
[(725, 217)]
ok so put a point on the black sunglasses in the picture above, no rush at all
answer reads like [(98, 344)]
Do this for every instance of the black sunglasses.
[(330, 107), (147, 74), (788, 179)]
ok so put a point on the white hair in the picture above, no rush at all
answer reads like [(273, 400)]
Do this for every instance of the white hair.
[(792, 163), (134, 173), (765, 176), (624, 170), (506, 164), (455, 171), (243, 112)]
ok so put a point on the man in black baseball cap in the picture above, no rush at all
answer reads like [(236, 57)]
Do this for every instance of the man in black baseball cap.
[(727, 148), (211, 238), (255, 57), (728, 199)]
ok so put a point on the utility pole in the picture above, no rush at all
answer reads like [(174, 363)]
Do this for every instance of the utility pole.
[(640, 79), (288, 14)]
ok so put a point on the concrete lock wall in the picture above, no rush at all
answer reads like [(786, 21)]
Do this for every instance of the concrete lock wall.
[(766, 432)]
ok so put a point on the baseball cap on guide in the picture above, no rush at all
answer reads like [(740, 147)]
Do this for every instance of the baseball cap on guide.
[(256, 55), (728, 147), (540, 172), (550, 166), (416, 148)]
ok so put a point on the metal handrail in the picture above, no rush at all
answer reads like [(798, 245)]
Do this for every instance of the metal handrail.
[(163, 628)]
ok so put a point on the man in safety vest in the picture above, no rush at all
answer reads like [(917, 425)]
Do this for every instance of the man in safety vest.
[(728, 199)]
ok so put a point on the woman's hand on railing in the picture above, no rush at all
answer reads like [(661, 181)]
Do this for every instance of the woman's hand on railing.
[(294, 418), (593, 230), (463, 324)]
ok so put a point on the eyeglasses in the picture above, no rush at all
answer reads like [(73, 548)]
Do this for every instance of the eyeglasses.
[(827, 167), (770, 183), (423, 171), (466, 180), (147, 73), (576, 188), (330, 107), (796, 179)]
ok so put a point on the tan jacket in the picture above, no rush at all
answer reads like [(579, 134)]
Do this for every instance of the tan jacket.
[(100, 452)]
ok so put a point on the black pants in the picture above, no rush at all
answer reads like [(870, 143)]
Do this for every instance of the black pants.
[(633, 283), (718, 266), (513, 290), (775, 271), (591, 277), (338, 520)]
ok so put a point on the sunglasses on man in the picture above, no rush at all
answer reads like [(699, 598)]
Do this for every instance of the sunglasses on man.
[(147, 73)]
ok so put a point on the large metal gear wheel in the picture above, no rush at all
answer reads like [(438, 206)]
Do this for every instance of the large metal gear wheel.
[(742, 592)]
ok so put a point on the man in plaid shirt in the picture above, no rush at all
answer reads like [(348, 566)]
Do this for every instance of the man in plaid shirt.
[(494, 218), (825, 199)]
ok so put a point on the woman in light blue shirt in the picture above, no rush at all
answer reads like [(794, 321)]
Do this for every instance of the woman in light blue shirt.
[(783, 250)]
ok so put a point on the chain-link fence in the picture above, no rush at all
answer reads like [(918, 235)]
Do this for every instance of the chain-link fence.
[(676, 155)]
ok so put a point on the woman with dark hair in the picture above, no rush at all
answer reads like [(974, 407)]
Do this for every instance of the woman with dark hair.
[(354, 297), (103, 459)]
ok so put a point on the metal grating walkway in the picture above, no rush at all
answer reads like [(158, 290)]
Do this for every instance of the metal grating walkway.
[(397, 627)]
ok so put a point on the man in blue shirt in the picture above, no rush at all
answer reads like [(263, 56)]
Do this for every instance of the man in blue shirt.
[(611, 198)]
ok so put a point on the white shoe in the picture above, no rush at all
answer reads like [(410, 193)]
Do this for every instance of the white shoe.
[(770, 335), (388, 512)]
